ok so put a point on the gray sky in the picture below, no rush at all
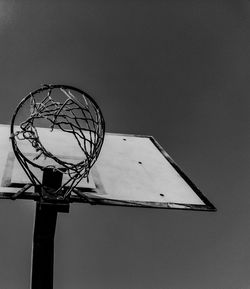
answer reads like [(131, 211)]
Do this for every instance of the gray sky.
[(177, 70)]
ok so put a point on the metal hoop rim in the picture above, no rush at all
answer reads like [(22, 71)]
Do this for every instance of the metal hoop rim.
[(44, 87)]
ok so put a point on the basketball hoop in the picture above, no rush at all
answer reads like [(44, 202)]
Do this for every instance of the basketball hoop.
[(65, 110)]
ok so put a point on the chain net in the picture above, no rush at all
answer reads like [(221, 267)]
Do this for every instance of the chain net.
[(65, 111)]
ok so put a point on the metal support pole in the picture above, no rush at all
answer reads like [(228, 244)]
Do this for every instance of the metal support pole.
[(43, 247), (44, 232)]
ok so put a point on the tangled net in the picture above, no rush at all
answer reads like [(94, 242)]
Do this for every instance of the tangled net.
[(65, 111)]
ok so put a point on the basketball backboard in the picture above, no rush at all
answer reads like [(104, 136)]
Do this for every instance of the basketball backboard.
[(131, 170)]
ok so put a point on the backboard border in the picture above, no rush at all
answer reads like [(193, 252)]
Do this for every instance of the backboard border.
[(97, 200), (209, 205)]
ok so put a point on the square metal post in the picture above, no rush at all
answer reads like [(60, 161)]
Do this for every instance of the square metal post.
[(44, 232), (43, 247)]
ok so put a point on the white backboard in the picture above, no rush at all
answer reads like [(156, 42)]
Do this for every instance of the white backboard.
[(131, 171)]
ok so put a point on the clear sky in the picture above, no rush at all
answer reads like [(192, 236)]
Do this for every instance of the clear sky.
[(177, 70)]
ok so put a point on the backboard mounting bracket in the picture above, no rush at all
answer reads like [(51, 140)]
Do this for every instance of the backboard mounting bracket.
[(21, 191)]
